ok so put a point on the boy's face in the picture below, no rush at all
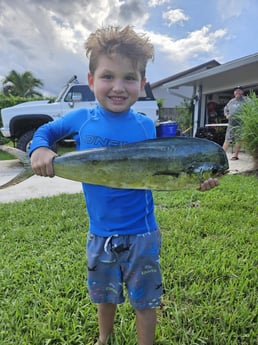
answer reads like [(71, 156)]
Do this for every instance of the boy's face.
[(115, 83)]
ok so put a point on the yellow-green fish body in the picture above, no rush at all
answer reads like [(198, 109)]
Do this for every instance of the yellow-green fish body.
[(172, 163)]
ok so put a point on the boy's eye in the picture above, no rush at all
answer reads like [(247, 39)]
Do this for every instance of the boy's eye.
[(107, 76), (130, 77)]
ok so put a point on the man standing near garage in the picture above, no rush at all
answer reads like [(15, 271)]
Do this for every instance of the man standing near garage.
[(230, 111)]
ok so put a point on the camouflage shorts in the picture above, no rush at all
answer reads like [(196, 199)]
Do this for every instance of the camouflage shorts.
[(130, 261)]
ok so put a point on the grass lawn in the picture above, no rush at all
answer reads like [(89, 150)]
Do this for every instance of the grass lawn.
[(208, 259), (5, 156)]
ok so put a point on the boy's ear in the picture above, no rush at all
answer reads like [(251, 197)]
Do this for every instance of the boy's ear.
[(143, 82), (90, 81)]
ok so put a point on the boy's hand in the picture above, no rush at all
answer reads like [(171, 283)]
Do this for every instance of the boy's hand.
[(42, 161), (208, 184)]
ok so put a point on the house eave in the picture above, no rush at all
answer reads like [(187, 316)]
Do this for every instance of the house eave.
[(222, 77)]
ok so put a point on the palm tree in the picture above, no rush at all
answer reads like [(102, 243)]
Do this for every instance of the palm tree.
[(23, 84)]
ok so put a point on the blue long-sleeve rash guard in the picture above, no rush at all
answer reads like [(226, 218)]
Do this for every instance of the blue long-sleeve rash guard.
[(111, 211)]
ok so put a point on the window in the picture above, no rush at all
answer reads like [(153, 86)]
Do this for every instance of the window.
[(83, 90)]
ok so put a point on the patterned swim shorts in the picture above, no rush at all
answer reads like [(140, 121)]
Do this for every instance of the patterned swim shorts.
[(125, 260)]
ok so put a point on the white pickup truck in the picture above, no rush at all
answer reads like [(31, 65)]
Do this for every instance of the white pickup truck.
[(21, 120)]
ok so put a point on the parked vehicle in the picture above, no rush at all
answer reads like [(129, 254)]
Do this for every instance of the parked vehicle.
[(21, 121)]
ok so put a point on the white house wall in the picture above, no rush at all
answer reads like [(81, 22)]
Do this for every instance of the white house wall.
[(172, 98)]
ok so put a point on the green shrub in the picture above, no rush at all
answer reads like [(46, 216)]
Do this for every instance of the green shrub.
[(3, 140), (184, 117), (248, 116), (10, 101)]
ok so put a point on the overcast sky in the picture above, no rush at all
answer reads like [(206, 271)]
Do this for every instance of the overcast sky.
[(46, 37)]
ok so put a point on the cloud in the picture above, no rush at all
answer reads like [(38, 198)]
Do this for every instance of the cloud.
[(176, 16), (195, 43), (128, 10), (155, 3), (47, 37), (229, 8)]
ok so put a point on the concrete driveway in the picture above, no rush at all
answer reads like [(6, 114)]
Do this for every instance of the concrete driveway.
[(37, 187)]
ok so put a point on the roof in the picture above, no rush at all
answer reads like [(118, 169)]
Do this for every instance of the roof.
[(190, 71), (223, 77)]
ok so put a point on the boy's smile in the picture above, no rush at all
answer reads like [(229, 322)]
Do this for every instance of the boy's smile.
[(116, 83)]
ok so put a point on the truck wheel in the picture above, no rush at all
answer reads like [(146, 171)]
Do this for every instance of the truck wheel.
[(24, 142)]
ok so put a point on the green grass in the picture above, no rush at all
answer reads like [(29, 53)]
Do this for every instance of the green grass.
[(5, 156), (208, 260)]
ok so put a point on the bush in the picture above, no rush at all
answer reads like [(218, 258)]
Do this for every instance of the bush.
[(248, 116), (184, 117), (3, 140), (9, 101)]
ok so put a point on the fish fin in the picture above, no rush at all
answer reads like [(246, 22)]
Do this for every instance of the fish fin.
[(22, 176), (24, 159)]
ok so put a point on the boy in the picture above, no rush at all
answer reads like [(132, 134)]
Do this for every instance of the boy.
[(124, 240)]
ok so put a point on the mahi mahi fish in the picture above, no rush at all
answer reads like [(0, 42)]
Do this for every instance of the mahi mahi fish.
[(171, 163)]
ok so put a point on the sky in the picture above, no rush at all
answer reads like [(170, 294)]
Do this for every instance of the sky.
[(46, 37)]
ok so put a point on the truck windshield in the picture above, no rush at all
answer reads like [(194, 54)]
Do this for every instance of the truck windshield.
[(83, 90), (61, 94)]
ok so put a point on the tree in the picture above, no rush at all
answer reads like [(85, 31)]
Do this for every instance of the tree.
[(22, 85)]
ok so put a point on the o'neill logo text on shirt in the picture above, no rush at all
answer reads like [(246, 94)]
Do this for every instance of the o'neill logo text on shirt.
[(100, 141)]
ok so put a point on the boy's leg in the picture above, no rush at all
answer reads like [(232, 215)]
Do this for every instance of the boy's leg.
[(106, 316), (146, 325)]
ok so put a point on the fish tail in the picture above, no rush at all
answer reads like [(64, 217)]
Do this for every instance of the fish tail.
[(24, 159), (21, 155), (22, 176)]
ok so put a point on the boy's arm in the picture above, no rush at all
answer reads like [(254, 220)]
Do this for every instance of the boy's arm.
[(51, 132), (41, 155), (45, 136)]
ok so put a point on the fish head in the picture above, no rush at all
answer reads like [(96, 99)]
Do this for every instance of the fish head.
[(206, 170)]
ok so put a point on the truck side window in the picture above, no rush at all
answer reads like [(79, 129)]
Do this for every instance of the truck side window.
[(86, 94)]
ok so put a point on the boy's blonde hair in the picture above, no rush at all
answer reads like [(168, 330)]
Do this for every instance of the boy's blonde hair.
[(126, 42)]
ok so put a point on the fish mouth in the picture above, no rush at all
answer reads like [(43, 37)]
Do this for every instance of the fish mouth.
[(214, 169)]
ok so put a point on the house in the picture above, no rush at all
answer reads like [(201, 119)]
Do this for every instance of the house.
[(211, 84), (173, 97)]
